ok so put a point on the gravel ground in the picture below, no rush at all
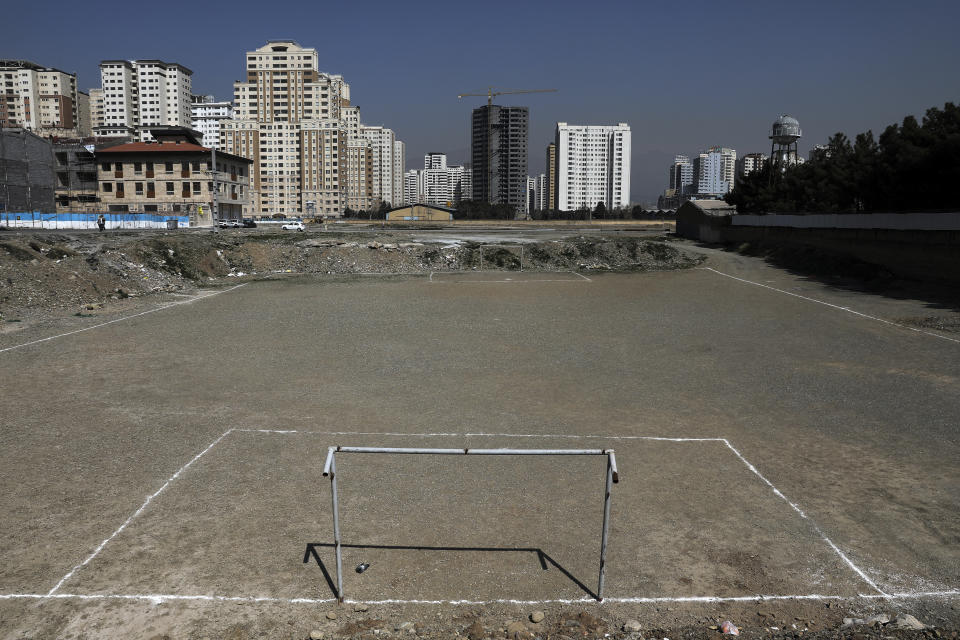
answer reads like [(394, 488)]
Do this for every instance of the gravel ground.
[(853, 419)]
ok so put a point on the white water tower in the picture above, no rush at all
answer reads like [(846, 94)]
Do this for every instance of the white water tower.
[(783, 146)]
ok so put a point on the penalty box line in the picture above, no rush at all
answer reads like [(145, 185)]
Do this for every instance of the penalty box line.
[(159, 598), (846, 560), (726, 442), (136, 513)]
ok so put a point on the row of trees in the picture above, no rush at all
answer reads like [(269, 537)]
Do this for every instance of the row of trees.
[(910, 167)]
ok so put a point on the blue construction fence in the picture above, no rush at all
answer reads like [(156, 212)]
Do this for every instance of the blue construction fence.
[(38, 220)]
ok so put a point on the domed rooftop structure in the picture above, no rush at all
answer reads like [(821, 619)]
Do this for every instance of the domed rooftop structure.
[(786, 130)]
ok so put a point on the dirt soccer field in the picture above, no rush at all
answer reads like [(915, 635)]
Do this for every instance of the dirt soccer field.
[(784, 449)]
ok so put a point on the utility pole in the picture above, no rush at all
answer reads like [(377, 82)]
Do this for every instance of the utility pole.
[(216, 188)]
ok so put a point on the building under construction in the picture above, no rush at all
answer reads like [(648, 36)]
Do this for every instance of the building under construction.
[(499, 154), (27, 180)]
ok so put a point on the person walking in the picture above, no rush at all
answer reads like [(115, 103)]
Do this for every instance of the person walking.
[(101, 222)]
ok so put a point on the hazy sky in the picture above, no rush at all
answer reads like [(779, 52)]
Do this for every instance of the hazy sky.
[(684, 75)]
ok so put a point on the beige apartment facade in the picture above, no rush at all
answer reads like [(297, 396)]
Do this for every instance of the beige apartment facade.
[(40, 99), (358, 175), (288, 121), (172, 175)]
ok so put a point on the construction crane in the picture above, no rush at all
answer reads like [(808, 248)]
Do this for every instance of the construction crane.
[(490, 93), (487, 182)]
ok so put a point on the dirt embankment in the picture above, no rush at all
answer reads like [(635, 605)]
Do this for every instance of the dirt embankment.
[(61, 272)]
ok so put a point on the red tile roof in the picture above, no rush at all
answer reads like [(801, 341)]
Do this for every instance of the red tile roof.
[(153, 147)]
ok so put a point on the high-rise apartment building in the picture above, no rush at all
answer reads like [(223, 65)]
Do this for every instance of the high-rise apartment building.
[(139, 95), (531, 195), (436, 184), (399, 167), (541, 189), (288, 121), (750, 163), (551, 173), (40, 99), (714, 170), (499, 155), (357, 174), (96, 108), (383, 142), (206, 115), (681, 176), (593, 166)]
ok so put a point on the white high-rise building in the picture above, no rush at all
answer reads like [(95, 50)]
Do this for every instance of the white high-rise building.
[(412, 189), (141, 94), (593, 165), (434, 160), (437, 183), (715, 170), (541, 190), (382, 141), (206, 115), (41, 99), (681, 176)]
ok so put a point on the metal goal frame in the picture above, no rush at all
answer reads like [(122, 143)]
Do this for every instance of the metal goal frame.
[(612, 477)]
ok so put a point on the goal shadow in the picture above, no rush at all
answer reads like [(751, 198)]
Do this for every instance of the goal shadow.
[(544, 559)]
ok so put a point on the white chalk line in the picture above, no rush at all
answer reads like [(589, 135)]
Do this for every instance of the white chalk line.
[(726, 442), (803, 515), (834, 306), (465, 435), (751, 467), (506, 281), (136, 315), (136, 513), (158, 598)]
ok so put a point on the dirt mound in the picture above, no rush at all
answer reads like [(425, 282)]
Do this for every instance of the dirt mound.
[(45, 273)]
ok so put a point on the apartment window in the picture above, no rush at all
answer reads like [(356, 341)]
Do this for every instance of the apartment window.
[(168, 166), (139, 188), (169, 188), (105, 166), (108, 187)]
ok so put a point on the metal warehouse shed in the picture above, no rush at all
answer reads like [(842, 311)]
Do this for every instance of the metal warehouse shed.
[(420, 212)]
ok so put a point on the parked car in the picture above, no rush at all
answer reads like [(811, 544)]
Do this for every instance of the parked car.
[(293, 226), (249, 223)]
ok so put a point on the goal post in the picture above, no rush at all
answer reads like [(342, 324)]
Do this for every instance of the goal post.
[(612, 476)]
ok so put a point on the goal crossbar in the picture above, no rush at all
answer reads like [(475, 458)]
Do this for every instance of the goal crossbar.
[(612, 476)]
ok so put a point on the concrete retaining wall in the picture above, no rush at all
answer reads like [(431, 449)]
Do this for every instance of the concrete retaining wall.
[(905, 221)]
